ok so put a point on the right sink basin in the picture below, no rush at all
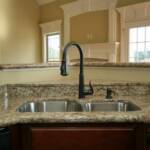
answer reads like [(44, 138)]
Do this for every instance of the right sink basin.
[(120, 106), (77, 106)]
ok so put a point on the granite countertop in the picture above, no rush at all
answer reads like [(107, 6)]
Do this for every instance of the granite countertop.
[(86, 64), (9, 116), (28, 66), (9, 104)]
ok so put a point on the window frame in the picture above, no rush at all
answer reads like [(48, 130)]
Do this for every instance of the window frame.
[(136, 42), (136, 24), (46, 43), (134, 15), (49, 28)]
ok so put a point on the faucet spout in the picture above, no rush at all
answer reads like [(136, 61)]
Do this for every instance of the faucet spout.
[(63, 69), (65, 72)]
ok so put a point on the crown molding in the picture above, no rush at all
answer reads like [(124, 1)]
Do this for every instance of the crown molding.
[(43, 2), (53, 26)]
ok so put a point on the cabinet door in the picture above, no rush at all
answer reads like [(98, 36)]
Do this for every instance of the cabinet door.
[(82, 138), (148, 139)]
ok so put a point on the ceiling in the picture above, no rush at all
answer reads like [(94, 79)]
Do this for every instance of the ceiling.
[(42, 2)]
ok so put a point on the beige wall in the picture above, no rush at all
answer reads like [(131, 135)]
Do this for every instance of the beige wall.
[(52, 11), (90, 27), (20, 40), (81, 24), (19, 31), (0, 54), (129, 2), (93, 21), (96, 75)]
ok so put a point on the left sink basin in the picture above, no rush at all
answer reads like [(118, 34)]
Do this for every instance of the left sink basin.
[(51, 106)]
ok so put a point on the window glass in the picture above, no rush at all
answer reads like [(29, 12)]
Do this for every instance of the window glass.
[(148, 33), (147, 53), (141, 34), (133, 35), (147, 48), (53, 47), (131, 59), (132, 50), (141, 47)]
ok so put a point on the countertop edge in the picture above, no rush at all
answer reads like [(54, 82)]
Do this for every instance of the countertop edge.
[(87, 64)]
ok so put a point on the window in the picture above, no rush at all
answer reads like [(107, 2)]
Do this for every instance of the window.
[(51, 37), (139, 44), (53, 47)]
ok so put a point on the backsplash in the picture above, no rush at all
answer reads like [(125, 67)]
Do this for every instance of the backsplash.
[(68, 90), (124, 89), (3, 90), (37, 90)]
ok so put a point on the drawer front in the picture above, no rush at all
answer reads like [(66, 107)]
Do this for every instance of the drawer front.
[(83, 138)]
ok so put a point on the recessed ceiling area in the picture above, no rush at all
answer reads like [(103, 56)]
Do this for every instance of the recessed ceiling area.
[(42, 2)]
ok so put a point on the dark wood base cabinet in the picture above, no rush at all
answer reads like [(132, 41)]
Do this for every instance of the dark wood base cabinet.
[(147, 136), (79, 137)]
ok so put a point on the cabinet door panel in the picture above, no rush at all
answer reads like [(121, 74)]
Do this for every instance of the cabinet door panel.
[(83, 138), (148, 139)]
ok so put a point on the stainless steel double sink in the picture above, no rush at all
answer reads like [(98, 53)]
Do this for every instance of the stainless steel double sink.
[(78, 106)]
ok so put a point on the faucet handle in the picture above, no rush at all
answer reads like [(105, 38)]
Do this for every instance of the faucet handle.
[(91, 88), (89, 91), (109, 93)]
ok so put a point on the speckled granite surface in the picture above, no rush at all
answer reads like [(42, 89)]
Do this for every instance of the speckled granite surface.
[(71, 90), (24, 66), (3, 90), (138, 93), (86, 64)]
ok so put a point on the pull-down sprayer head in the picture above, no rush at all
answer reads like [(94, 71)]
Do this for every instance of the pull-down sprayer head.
[(64, 68)]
